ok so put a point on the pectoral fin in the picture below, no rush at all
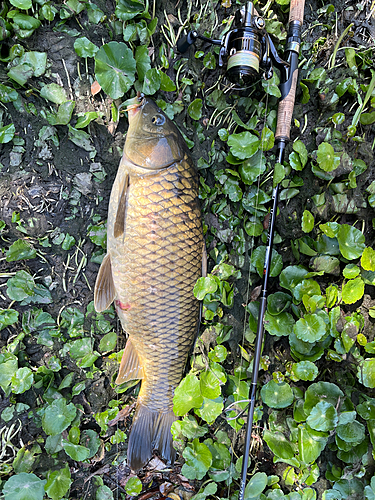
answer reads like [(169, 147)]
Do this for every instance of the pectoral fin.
[(130, 367), (119, 227), (105, 292)]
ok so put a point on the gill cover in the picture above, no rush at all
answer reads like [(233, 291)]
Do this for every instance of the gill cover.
[(152, 140)]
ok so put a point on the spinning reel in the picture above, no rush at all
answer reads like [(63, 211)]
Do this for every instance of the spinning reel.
[(245, 50)]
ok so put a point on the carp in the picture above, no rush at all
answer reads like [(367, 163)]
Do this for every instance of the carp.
[(155, 251)]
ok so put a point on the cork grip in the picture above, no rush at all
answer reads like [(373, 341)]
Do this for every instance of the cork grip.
[(296, 10), (285, 111)]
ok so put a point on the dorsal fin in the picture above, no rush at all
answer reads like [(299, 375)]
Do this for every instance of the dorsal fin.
[(104, 292), (119, 227)]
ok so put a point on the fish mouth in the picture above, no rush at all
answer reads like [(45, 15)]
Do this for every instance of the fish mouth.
[(135, 105)]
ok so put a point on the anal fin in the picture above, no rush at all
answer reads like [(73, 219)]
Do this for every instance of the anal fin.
[(119, 226), (130, 366), (104, 292)]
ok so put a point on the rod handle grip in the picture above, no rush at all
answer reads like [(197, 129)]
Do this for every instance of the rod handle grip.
[(296, 10), (285, 111)]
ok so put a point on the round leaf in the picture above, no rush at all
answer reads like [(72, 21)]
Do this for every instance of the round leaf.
[(133, 486), (321, 391), (58, 483), (351, 432), (58, 416), (210, 409), (199, 457), (277, 395), (9, 317), (366, 373), (187, 395), (54, 93), (20, 250), (305, 370), (278, 444), (85, 48), (75, 451), (22, 380), (255, 486), (351, 242), (353, 290), (7, 133), (307, 221), (257, 260), (291, 276), (279, 325), (195, 109), (368, 259), (323, 417), (151, 82), (311, 328), (24, 486), (326, 157), (204, 286), (278, 302), (115, 68), (243, 145), (310, 443)]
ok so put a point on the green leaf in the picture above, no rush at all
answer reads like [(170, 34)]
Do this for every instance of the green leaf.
[(108, 342), (115, 68), (152, 81), (257, 261), (21, 4), (20, 286), (321, 391), (367, 118), (58, 416), (351, 271), (210, 409), (187, 395), (323, 417), (75, 451), (366, 372), (305, 370), (21, 73), (133, 486), (326, 157), (351, 432), (7, 94), (267, 139), (243, 145), (351, 242), (20, 250), (143, 61), (7, 133), (252, 168), (8, 317), (37, 61), (209, 61), (279, 325), (58, 483), (353, 290), (310, 443), (277, 395), (104, 493), (199, 457), (311, 328), (255, 486), (80, 138), (204, 286), (128, 9), (85, 48), (277, 302), (22, 380), (24, 486), (54, 93), (307, 221), (278, 444), (195, 109), (368, 259), (291, 276), (7, 369), (86, 118), (63, 115)]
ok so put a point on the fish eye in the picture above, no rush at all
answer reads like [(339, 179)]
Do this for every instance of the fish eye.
[(158, 120)]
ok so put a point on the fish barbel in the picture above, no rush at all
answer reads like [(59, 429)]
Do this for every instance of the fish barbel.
[(154, 257)]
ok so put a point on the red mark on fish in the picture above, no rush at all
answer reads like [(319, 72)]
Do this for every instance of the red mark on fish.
[(122, 306)]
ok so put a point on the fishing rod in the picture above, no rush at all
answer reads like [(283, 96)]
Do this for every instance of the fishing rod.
[(288, 86), (245, 51)]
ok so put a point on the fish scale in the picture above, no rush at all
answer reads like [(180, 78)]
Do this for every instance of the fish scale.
[(154, 264)]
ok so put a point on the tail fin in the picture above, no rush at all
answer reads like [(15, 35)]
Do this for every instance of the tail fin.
[(150, 430)]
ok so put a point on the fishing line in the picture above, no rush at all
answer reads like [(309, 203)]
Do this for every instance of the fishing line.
[(248, 288)]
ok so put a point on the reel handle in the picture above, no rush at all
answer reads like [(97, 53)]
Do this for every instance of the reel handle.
[(186, 41), (286, 104)]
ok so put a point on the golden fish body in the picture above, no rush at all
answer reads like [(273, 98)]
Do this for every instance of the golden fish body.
[(154, 257)]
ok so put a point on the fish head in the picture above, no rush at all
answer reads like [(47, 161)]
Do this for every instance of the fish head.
[(153, 141)]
